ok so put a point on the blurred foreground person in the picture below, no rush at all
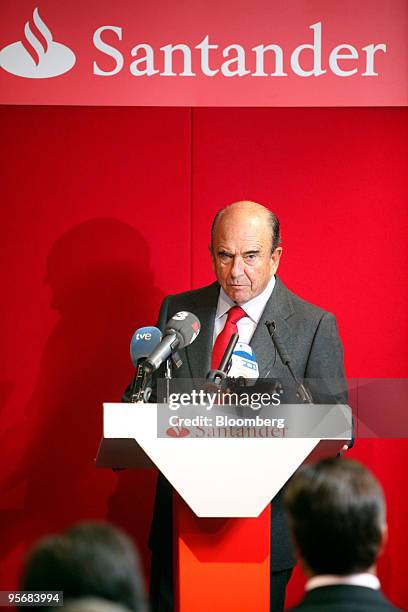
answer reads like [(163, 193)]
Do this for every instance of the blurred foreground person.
[(89, 560), (336, 514), (91, 604)]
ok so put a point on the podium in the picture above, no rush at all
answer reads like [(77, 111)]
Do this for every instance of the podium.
[(223, 489)]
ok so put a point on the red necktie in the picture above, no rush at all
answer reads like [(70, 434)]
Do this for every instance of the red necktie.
[(221, 342)]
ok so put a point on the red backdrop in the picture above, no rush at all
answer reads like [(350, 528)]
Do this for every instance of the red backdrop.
[(106, 210)]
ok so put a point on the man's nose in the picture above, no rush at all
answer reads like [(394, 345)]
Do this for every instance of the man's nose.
[(237, 267)]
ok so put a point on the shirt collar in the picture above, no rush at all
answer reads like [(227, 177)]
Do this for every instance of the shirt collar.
[(363, 579), (253, 308)]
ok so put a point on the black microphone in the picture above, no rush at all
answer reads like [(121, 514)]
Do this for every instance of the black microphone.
[(180, 331), (303, 394)]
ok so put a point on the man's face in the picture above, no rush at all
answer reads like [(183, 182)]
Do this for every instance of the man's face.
[(241, 254)]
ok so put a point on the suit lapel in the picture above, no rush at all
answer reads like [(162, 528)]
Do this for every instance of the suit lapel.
[(199, 352), (278, 308)]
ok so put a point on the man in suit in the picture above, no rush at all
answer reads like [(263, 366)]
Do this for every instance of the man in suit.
[(245, 251), (336, 514)]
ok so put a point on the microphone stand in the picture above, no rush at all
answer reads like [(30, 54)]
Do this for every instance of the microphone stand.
[(174, 361), (301, 391), (216, 377)]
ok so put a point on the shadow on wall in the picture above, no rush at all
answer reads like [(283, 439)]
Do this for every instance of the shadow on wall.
[(102, 287)]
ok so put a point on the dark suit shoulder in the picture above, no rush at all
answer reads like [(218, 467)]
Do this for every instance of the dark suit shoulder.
[(195, 294), (344, 598), (301, 306), (191, 301)]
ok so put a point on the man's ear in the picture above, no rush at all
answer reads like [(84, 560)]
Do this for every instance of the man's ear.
[(275, 259), (384, 539), (298, 556)]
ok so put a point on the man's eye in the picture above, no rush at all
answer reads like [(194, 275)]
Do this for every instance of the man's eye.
[(251, 256), (223, 256)]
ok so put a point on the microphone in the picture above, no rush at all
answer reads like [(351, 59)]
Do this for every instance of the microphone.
[(144, 341), (303, 394), (180, 331), (244, 364)]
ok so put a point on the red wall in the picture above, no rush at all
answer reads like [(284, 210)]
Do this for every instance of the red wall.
[(105, 210)]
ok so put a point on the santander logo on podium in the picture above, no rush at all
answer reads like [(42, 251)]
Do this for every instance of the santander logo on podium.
[(38, 56), (177, 432)]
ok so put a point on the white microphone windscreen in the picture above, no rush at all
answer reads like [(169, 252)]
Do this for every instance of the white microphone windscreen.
[(243, 363)]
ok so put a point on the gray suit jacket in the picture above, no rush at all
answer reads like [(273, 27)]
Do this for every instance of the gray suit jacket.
[(310, 337), (308, 333)]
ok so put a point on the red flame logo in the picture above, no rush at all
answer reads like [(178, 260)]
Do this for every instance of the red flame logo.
[(177, 432), (37, 37)]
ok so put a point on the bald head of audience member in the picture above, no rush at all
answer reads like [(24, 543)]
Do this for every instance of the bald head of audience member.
[(89, 560), (336, 514)]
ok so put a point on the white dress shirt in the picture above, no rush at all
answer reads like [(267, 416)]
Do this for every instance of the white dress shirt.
[(363, 579), (253, 308)]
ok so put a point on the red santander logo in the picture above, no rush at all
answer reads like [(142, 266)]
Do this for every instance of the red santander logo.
[(177, 432)]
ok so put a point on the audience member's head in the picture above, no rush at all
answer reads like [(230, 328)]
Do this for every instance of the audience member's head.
[(91, 604), (88, 560), (336, 514)]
